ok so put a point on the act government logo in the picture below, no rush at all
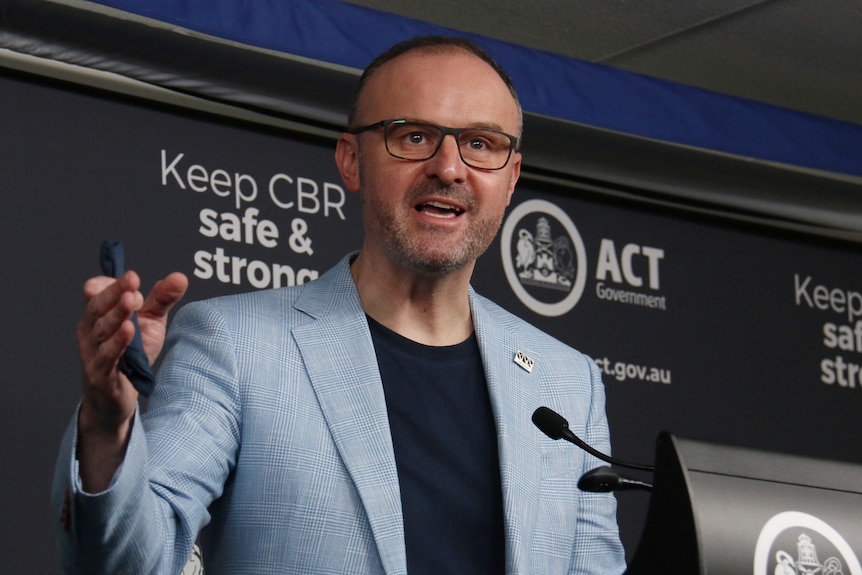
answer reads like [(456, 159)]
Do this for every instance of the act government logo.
[(544, 257), (795, 543)]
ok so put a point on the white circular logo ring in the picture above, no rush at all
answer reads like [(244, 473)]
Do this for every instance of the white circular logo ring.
[(789, 520), (543, 308)]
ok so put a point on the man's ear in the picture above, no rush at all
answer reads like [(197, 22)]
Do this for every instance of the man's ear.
[(347, 161)]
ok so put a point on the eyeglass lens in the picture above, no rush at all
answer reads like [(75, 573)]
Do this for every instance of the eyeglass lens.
[(479, 147)]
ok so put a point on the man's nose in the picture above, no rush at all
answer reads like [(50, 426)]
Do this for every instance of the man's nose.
[(447, 164)]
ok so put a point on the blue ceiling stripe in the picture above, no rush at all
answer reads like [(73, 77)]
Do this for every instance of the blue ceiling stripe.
[(548, 84)]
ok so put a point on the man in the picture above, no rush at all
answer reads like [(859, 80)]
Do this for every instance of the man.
[(371, 421)]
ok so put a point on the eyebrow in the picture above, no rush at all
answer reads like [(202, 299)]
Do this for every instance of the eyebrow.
[(474, 125)]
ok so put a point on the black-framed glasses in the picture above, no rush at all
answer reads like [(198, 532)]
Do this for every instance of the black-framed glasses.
[(481, 148)]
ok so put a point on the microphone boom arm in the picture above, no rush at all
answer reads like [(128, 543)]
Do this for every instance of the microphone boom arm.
[(556, 427)]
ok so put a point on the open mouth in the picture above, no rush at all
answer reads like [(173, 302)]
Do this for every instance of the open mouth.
[(439, 210)]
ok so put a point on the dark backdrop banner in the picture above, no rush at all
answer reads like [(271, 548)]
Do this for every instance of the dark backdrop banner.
[(705, 327)]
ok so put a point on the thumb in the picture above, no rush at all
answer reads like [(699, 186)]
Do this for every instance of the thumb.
[(164, 295)]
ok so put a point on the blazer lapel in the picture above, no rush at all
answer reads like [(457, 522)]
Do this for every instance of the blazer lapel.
[(340, 359), (514, 397)]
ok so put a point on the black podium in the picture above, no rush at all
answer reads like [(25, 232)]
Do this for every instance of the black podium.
[(723, 510)]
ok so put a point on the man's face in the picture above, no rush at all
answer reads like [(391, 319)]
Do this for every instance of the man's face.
[(439, 214)]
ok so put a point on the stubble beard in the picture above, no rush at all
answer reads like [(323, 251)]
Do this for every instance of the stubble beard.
[(433, 252)]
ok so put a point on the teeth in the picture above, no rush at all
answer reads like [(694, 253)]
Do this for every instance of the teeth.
[(442, 206)]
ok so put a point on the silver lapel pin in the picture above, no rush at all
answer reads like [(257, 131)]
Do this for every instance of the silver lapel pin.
[(524, 361)]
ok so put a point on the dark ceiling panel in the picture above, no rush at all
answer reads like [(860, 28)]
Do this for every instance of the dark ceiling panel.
[(799, 54)]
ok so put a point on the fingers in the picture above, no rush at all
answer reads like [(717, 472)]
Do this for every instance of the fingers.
[(105, 329), (129, 281), (110, 303), (105, 295)]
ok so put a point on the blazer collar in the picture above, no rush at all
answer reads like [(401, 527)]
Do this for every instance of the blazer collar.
[(341, 363)]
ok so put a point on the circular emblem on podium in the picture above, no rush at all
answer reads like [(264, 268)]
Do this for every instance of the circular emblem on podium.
[(795, 543)]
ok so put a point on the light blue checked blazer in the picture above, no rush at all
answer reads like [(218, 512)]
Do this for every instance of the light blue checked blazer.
[(268, 429)]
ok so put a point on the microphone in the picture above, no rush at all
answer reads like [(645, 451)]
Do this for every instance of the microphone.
[(604, 479), (556, 427)]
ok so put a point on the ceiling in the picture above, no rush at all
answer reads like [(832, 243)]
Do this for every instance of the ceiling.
[(805, 55)]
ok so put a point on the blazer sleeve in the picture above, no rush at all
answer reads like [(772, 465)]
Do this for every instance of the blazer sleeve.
[(179, 456)]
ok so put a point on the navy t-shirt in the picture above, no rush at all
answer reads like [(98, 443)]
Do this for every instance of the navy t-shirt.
[(446, 454)]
